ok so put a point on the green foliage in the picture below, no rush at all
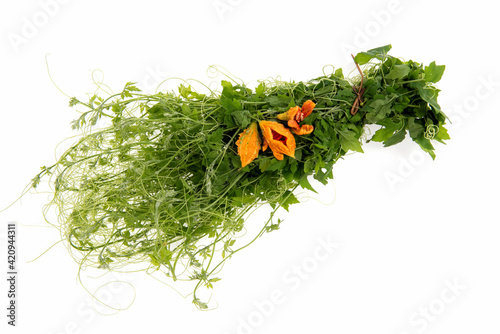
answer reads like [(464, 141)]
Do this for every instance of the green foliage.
[(161, 184), (379, 53)]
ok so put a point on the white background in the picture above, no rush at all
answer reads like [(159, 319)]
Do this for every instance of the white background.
[(405, 228)]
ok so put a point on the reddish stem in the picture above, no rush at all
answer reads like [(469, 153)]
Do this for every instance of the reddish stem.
[(358, 90)]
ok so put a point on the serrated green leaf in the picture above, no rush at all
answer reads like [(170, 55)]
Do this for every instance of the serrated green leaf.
[(433, 72), (380, 109), (226, 84), (131, 86), (261, 88), (304, 183), (230, 104), (428, 93), (287, 199), (216, 136), (164, 255), (242, 118), (348, 141), (442, 134), (184, 91), (73, 102)]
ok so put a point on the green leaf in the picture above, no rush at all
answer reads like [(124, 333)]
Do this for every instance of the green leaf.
[(278, 101), (382, 134), (154, 261), (287, 199), (185, 109), (129, 87), (276, 164), (416, 129), (274, 226), (428, 93), (226, 84), (242, 118), (397, 137), (339, 73), (228, 97), (261, 88), (230, 104), (200, 304), (348, 141), (398, 72), (294, 166), (288, 175), (216, 136), (164, 255), (309, 165), (229, 121), (184, 91), (433, 72), (381, 108), (323, 175), (264, 164), (298, 154), (243, 199), (378, 53), (319, 164), (442, 134), (304, 183), (426, 145), (73, 102)]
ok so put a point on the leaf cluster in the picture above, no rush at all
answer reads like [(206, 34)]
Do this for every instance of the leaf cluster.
[(161, 183)]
